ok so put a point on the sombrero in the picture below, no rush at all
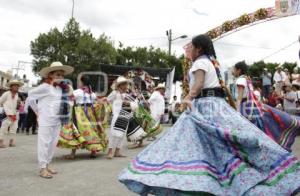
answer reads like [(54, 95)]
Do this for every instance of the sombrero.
[(56, 66), (14, 82), (160, 86), (121, 80)]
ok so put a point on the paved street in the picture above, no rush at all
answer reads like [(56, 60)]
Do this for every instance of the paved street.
[(84, 176)]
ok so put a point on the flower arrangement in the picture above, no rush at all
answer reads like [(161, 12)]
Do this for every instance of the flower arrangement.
[(186, 64), (212, 34), (261, 14), (227, 26), (244, 20)]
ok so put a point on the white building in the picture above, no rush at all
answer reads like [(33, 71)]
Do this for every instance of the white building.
[(5, 77)]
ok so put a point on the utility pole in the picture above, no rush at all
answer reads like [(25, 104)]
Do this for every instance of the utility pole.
[(170, 39), (73, 8), (20, 66), (299, 52), (169, 34)]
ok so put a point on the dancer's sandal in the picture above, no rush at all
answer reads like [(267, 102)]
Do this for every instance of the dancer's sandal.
[(109, 156), (51, 171), (119, 156), (44, 173)]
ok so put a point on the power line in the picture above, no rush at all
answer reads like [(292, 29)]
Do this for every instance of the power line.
[(243, 46), (146, 38), (281, 49)]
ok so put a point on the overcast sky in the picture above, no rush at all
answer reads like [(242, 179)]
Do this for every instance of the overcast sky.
[(144, 23)]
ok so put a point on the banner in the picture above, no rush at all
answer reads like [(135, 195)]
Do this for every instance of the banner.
[(169, 83), (287, 7)]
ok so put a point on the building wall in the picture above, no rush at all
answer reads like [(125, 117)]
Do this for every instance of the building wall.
[(5, 77)]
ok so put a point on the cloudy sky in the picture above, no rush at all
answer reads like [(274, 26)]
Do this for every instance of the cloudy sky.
[(144, 23)]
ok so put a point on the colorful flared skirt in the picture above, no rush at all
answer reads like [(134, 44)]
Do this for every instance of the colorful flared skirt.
[(144, 118), (213, 150), (87, 131), (278, 125)]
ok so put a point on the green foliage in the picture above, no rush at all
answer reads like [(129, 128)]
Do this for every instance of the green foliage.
[(73, 47), (79, 48), (289, 66), (256, 69)]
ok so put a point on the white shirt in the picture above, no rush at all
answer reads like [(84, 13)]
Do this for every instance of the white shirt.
[(279, 77), (49, 99), (241, 81), (9, 103), (297, 95), (290, 105), (211, 79), (116, 99), (157, 105), (81, 97), (173, 105)]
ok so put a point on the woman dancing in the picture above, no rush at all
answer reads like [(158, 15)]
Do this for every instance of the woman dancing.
[(278, 125), (86, 130), (212, 148)]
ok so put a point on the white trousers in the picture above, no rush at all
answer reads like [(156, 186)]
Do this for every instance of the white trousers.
[(8, 127), (115, 142), (47, 141)]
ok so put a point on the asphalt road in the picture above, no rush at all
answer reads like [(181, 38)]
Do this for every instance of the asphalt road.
[(83, 176)]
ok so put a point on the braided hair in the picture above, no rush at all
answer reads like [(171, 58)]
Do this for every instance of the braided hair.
[(205, 43)]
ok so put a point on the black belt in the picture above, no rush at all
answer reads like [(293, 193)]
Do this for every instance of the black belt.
[(244, 100), (87, 104), (211, 92)]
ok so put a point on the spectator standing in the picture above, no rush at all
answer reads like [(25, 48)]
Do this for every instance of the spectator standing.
[(267, 82), (289, 99), (173, 109), (288, 76), (31, 119), (22, 116), (279, 79)]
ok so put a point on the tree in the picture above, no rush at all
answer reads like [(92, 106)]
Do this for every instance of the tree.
[(79, 48), (149, 57), (256, 68), (73, 47), (46, 48), (289, 66)]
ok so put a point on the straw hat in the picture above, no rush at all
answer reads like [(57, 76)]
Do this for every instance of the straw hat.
[(295, 83), (278, 67), (14, 82), (160, 86), (121, 80), (287, 84), (56, 66)]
